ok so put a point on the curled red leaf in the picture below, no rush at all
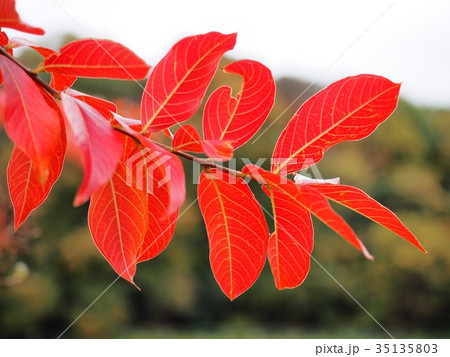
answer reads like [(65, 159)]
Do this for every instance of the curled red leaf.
[(188, 139), (237, 119)]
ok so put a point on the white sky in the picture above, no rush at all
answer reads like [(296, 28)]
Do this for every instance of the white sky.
[(406, 41)]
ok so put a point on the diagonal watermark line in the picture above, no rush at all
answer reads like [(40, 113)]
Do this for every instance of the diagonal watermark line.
[(327, 69), (115, 280), (331, 276)]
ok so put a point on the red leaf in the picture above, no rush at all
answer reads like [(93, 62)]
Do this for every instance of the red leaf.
[(177, 84), (118, 221), (161, 227), (237, 119), (170, 166), (362, 203), (32, 119), (161, 223), (26, 192), (21, 42), (61, 81), (291, 244), (10, 18), (236, 228), (315, 202), (219, 150), (307, 198), (99, 144), (188, 139), (349, 109), (4, 39), (97, 59), (2, 107), (104, 107), (172, 174)]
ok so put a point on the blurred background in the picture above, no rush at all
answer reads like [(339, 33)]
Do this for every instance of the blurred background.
[(51, 272)]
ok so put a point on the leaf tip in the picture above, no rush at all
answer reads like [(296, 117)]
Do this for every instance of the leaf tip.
[(422, 249), (366, 253), (79, 200), (137, 287)]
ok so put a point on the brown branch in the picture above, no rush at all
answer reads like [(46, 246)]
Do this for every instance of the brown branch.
[(31, 74), (205, 163)]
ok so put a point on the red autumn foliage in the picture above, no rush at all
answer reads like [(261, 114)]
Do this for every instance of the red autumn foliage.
[(136, 186)]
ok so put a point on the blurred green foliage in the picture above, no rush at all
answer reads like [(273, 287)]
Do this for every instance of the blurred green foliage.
[(404, 164)]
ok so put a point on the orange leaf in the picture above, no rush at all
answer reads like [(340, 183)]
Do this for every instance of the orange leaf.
[(187, 138)]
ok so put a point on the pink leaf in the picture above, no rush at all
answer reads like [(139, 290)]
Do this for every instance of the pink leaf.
[(104, 107), (99, 144), (21, 42)]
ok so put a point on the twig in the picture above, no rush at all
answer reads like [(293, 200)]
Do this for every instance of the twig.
[(31, 74)]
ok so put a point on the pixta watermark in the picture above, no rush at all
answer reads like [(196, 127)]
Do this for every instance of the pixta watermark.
[(148, 170)]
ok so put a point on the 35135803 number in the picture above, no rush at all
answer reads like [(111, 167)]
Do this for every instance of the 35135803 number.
[(406, 348)]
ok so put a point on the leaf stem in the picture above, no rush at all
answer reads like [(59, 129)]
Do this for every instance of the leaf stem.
[(205, 163), (31, 74)]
